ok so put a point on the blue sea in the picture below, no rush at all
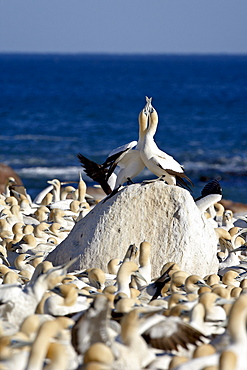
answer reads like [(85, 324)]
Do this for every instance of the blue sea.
[(54, 106)]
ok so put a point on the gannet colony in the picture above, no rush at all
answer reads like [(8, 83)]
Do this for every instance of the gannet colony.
[(145, 278)]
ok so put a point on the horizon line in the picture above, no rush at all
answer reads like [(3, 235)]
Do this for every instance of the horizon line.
[(124, 53)]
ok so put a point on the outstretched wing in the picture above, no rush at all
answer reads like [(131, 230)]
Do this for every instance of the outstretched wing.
[(96, 172)]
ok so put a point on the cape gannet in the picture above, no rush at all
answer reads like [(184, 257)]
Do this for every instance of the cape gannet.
[(168, 332), (46, 333), (65, 301), (158, 162), (127, 157), (210, 194), (92, 326)]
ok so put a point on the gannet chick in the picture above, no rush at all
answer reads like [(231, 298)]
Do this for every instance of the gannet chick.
[(158, 162)]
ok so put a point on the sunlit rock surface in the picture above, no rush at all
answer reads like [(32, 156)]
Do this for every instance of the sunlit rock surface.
[(165, 216)]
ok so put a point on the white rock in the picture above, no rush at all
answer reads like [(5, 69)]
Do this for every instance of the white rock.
[(165, 216)]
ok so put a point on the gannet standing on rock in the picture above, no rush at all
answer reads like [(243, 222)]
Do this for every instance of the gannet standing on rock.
[(127, 157), (157, 161)]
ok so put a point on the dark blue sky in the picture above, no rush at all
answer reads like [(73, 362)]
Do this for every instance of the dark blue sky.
[(123, 26)]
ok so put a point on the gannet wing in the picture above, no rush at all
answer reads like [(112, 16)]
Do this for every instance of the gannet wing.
[(116, 157), (167, 162), (118, 153), (96, 172), (171, 332), (122, 149)]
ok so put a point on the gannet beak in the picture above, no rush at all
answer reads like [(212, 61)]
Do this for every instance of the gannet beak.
[(239, 249), (139, 275), (221, 301), (51, 233), (146, 109), (5, 260)]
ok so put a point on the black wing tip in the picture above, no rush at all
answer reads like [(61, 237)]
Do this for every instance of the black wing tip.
[(212, 187)]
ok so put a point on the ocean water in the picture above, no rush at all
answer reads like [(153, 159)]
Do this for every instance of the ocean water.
[(54, 106)]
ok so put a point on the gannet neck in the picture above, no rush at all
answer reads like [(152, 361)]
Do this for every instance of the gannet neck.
[(153, 123), (48, 330), (124, 276), (144, 257), (82, 188), (56, 189), (237, 320), (143, 123), (129, 327)]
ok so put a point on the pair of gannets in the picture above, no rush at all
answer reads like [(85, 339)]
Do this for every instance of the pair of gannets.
[(134, 156)]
